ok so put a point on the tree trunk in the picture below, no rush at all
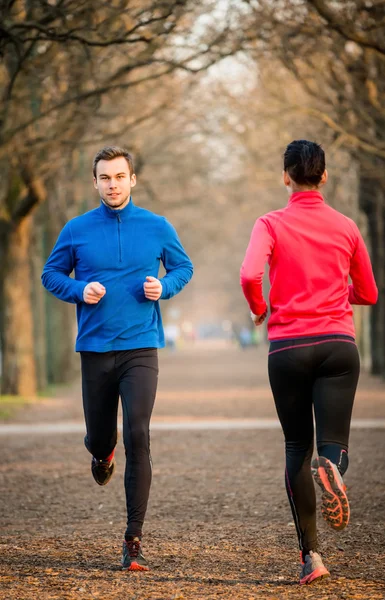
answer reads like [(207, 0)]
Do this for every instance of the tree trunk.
[(18, 358), (372, 202), (39, 302), (62, 361)]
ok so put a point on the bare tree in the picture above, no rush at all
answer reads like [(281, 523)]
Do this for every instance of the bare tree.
[(336, 50), (60, 61)]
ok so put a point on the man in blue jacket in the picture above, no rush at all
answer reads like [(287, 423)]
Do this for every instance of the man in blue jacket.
[(115, 251)]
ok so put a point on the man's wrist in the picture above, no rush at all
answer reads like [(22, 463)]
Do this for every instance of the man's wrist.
[(80, 287), (163, 293)]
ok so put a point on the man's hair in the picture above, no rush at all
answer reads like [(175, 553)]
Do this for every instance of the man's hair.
[(111, 152), (304, 162)]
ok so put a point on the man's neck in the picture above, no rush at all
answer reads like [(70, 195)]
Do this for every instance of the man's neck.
[(120, 207)]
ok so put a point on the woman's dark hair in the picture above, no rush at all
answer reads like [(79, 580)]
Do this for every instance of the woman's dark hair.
[(304, 162)]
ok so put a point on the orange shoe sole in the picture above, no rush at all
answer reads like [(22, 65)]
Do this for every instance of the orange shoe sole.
[(335, 504)]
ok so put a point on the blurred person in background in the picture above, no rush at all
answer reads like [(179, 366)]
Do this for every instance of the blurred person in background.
[(115, 251), (312, 250), (171, 334)]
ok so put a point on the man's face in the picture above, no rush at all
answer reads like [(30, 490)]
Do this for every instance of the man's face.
[(114, 182)]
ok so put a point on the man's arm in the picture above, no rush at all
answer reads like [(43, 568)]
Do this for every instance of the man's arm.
[(179, 268), (60, 264), (363, 290), (258, 251)]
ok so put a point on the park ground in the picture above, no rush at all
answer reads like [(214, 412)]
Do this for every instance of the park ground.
[(218, 524)]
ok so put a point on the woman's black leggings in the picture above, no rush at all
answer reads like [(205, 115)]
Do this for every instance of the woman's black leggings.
[(320, 372), (132, 375)]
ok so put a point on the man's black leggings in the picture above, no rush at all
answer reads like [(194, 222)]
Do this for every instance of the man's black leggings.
[(132, 375), (320, 372)]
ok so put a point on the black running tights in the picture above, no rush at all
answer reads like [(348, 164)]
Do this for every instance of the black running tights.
[(320, 372), (132, 375)]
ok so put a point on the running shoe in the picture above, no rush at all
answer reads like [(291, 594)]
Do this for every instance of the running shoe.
[(132, 557), (102, 470), (335, 504), (313, 569)]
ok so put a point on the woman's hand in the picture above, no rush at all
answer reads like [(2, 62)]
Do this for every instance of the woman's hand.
[(258, 319)]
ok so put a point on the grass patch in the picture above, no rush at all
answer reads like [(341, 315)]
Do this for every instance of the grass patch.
[(48, 391), (53, 389), (10, 404)]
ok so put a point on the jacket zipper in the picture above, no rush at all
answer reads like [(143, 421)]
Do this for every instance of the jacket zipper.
[(120, 244)]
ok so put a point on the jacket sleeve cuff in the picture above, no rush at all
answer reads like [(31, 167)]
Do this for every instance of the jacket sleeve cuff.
[(78, 291), (258, 309), (164, 294)]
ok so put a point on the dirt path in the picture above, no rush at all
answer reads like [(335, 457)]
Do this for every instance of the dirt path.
[(218, 523)]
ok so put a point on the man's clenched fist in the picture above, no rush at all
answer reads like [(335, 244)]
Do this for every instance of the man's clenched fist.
[(93, 292), (152, 288)]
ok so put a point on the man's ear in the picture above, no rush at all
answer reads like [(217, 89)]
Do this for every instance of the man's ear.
[(133, 180), (95, 186), (286, 179)]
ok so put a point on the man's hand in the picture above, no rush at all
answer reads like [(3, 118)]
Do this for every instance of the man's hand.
[(258, 319), (93, 292), (152, 288)]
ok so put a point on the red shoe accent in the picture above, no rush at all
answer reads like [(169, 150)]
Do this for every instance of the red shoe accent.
[(111, 456), (319, 573), (136, 567)]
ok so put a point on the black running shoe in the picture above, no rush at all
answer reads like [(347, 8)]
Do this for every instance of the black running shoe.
[(102, 470), (132, 557)]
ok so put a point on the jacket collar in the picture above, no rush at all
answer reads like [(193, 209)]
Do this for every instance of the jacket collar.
[(307, 197), (114, 213)]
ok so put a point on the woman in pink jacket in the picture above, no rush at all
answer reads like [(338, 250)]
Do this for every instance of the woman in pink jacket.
[(312, 250)]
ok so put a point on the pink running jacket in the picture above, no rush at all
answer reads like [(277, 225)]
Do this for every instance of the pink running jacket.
[(311, 249)]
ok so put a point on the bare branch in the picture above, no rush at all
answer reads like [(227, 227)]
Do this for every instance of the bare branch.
[(351, 139), (35, 195), (339, 24)]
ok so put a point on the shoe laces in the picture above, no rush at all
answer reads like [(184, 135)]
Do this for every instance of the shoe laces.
[(133, 547), (103, 464)]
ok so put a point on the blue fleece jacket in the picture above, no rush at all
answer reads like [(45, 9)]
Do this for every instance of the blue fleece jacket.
[(117, 248)]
